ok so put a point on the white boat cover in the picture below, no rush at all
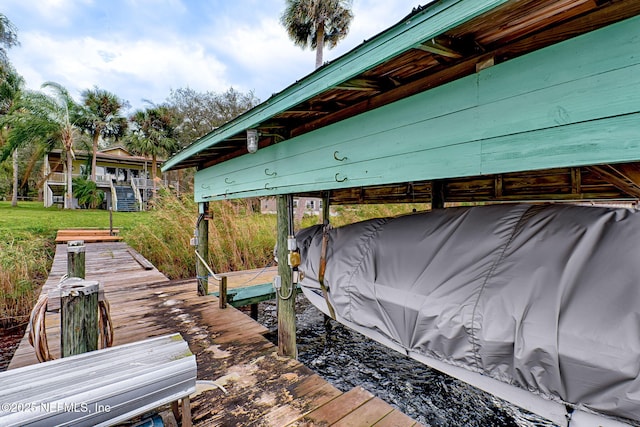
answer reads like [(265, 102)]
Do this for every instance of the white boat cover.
[(542, 297)]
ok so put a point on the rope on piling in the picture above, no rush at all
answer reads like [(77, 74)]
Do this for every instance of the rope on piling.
[(38, 329)]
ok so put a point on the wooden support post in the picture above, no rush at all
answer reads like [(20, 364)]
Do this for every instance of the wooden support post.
[(286, 305), (203, 249), (222, 295), (110, 221), (326, 209), (437, 194), (254, 311), (78, 316), (75, 258), (186, 411), (326, 219)]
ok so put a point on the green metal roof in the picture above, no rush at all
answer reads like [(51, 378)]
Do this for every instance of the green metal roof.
[(423, 24)]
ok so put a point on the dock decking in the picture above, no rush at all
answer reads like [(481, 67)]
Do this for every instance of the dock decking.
[(261, 388), (88, 235)]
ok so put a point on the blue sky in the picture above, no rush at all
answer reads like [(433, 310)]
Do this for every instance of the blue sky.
[(141, 49)]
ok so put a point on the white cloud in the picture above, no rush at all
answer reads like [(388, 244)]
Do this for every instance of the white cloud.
[(133, 70), (143, 48)]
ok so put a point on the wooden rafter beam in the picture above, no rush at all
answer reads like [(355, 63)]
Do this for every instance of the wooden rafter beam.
[(361, 84), (550, 14), (436, 47), (615, 176)]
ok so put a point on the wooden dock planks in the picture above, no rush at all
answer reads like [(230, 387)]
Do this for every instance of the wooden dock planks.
[(261, 387), (88, 235)]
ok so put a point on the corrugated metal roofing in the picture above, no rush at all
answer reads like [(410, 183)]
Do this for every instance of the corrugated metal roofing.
[(99, 388)]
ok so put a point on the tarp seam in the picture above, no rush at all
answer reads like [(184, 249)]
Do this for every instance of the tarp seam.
[(474, 339), (367, 245)]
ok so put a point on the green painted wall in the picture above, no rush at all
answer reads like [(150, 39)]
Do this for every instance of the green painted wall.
[(574, 103)]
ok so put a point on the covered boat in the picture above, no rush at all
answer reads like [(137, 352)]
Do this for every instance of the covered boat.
[(537, 304)]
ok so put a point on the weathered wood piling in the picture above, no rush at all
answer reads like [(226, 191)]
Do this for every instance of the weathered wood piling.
[(79, 316), (76, 258)]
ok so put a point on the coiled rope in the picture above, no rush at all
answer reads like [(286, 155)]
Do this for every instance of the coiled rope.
[(38, 329)]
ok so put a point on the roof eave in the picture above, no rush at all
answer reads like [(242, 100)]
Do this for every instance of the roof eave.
[(429, 22)]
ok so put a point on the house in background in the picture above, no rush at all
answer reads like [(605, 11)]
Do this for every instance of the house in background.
[(124, 178), (312, 205)]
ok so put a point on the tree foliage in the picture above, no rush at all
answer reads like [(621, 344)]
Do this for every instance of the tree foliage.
[(198, 113), (11, 86), (153, 134), (11, 89), (314, 23), (87, 193), (48, 118), (101, 117), (8, 37)]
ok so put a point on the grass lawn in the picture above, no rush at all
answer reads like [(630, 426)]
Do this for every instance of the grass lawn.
[(32, 218), (27, 234)]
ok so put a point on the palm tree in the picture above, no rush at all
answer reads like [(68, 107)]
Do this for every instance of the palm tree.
[(63, 113), (316, 22), (48, 119), (11, 86), (153, 135), (8, 37), (101, 118)]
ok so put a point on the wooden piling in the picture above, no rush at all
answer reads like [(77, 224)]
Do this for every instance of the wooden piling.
[(326, 209), (111, 222), (326, 219), (437, 194), (286, 294), (78, 316), (76, 258), (222, 294), (203, 249)]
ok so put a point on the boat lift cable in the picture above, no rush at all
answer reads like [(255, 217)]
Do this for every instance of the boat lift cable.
[(210, 270), (206, 265), (38, 330)]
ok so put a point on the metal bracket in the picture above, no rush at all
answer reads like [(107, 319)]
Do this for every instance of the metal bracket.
[(340, 180), (341, 159)]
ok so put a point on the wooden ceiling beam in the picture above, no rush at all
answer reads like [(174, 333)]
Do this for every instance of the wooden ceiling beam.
[(361, 84), (552, 13), (614, 176), (433, 46)]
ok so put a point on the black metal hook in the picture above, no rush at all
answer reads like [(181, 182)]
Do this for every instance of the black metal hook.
[(205, 187), (266, 172), (228, 181), (335, 156), (340, 180), (266, 187)]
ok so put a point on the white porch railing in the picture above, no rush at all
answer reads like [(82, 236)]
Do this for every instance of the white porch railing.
[(61, 178), (145, 183), (136, 192), (142, 183)]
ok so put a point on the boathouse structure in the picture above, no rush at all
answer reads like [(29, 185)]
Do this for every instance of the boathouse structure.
[(491, 101)]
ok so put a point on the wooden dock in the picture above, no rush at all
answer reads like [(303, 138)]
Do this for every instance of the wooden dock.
[(88, 235), (257, 386)]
